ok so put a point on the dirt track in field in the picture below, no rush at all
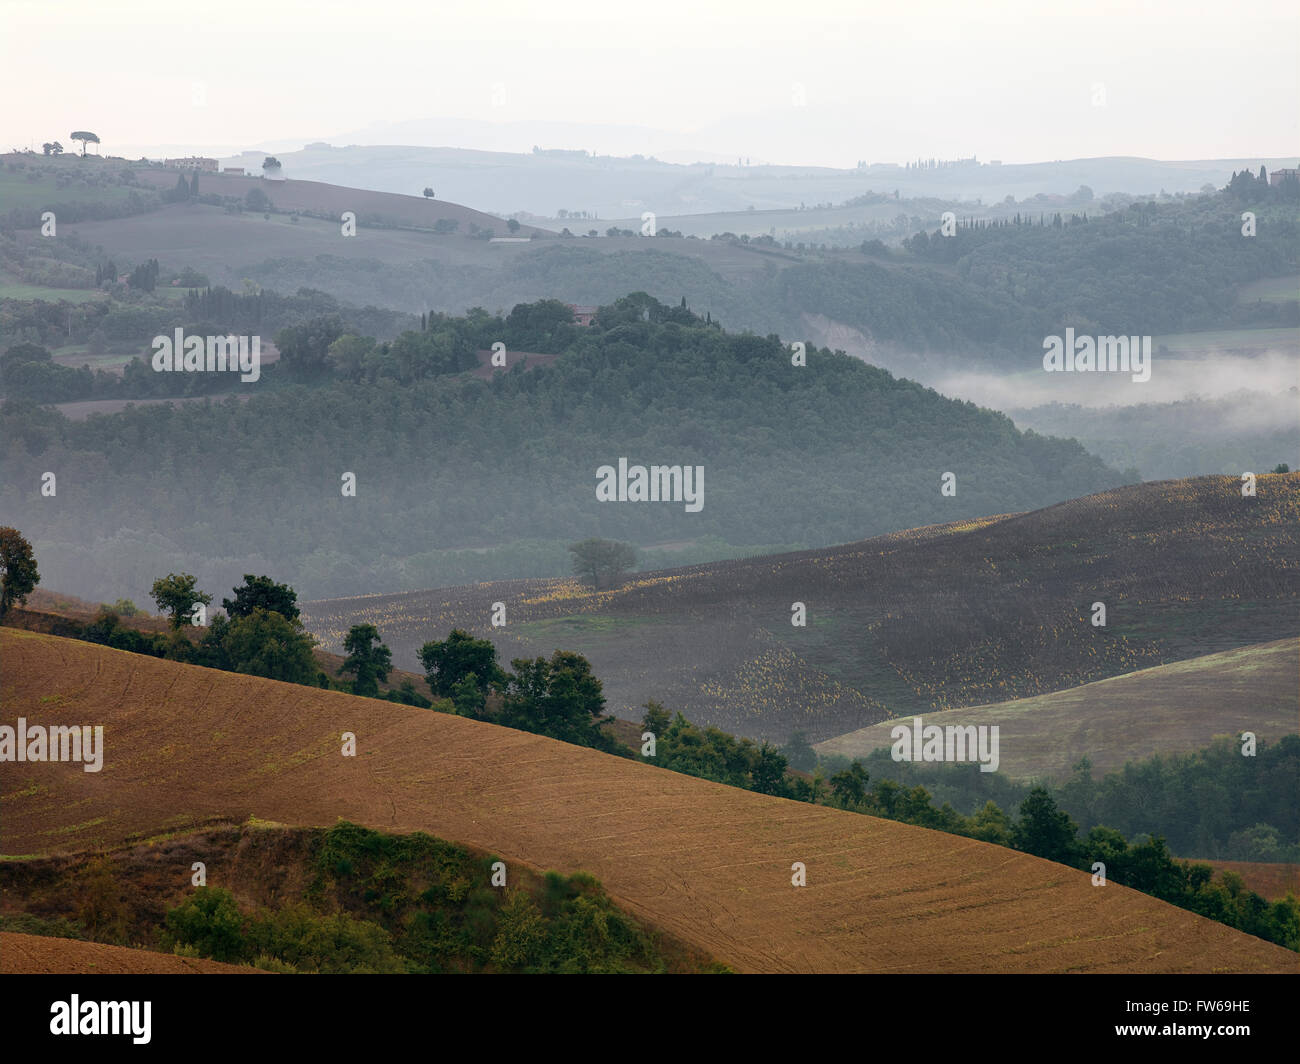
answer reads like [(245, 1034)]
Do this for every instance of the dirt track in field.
[(38, 955), (708, 863)]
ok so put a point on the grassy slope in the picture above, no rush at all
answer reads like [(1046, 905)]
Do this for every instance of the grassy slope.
[(1170, 708), (708, 864)]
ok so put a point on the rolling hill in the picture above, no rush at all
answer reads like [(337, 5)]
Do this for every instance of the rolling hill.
[(706, 863), (967, 613), (1172, 708)]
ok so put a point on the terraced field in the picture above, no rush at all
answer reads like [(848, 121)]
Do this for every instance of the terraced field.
[(708, 864)]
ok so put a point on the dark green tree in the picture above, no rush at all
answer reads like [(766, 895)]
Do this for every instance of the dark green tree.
[(468, 697), (303, 348), (369, 660), (656, 720), (261, 592), (447, 662), (1044, 830), (558, 697), (18, 564), (176, 594), (849, 787), (769, 771), (266, 644)]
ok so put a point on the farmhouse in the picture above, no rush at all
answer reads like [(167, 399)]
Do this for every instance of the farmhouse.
[(1278, 176), (582, 315)]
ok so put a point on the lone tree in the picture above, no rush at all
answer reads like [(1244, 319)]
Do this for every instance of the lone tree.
[(368, 659), (18, 564), (602, 561), (262, 592), (85, 138), (175, 593), (428, 193)]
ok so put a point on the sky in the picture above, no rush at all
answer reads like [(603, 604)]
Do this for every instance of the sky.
[(817, 82)]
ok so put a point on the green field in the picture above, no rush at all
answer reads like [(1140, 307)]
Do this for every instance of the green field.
[(17, 191), (19, 290)]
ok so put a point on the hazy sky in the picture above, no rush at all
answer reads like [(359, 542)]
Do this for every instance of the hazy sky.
[(813, 81)]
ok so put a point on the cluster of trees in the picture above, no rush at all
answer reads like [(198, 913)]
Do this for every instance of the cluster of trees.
[(1212, 803), (824, 453), (307, 322), (557, 696), (145, 276), (1248, 188), (713, 754), (184, 189)]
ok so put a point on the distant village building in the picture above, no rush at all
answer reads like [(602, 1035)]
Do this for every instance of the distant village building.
[(582, 315), (194, 162), (234, 170), (1278, 176)]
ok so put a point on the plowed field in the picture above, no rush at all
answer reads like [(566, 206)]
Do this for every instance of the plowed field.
[(37, 955), (705, 862)]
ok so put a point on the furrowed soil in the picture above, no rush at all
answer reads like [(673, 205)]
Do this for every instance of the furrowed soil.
[(38, 955), (708, 864)]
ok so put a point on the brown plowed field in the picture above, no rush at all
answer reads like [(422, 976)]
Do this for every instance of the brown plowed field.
[(708, 863), (37, 955)]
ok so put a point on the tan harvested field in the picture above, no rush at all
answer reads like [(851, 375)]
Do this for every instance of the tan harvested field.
[(708, 864), (1168, 709), (38, 955)]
